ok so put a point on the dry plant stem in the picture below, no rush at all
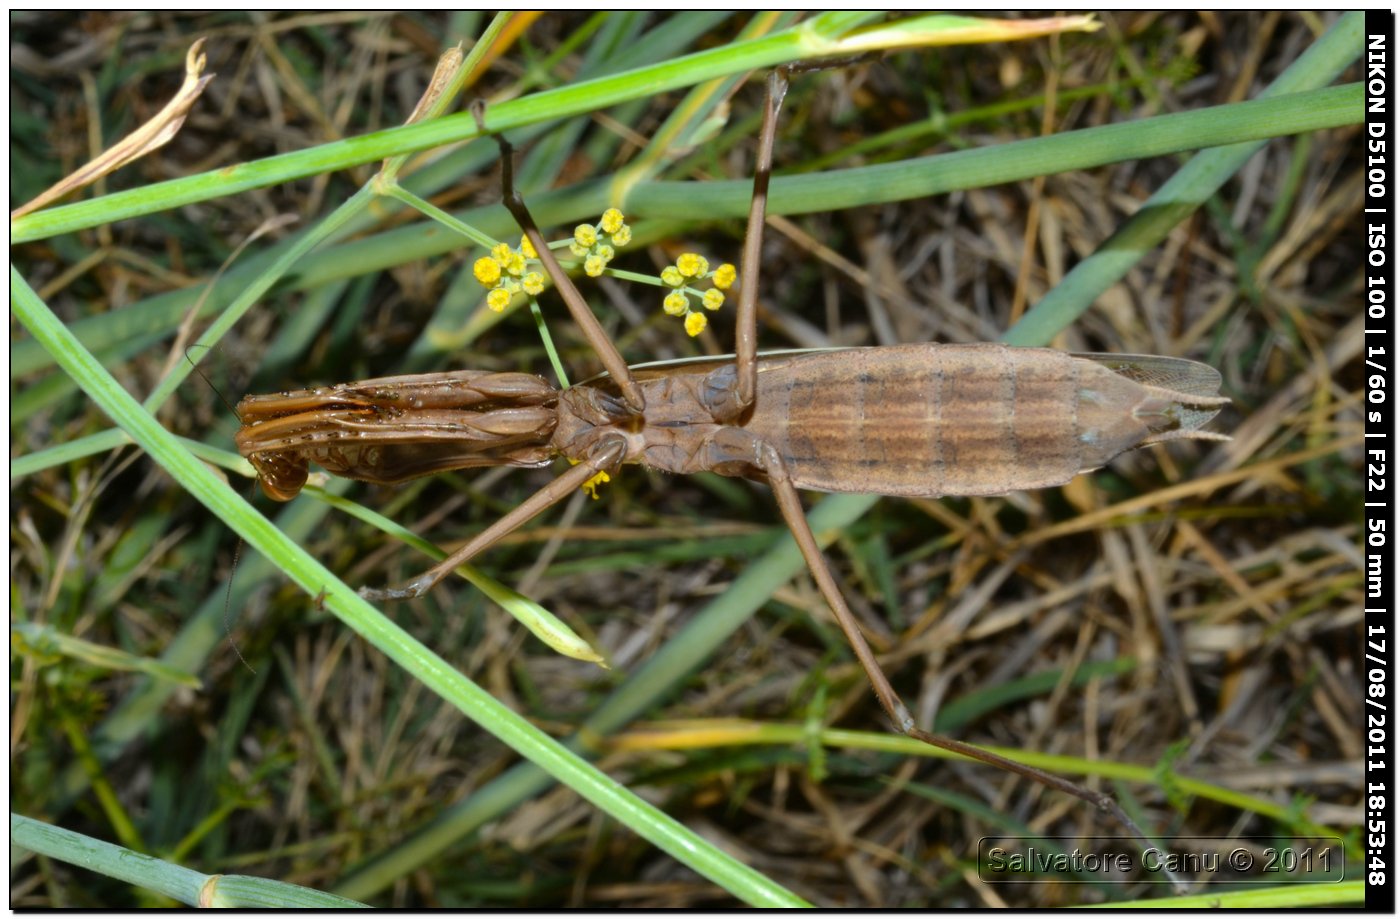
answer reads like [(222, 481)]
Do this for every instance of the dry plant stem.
[(578, 308)]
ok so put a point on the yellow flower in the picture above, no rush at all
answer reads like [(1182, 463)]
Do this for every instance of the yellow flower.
[(612, 220), (591, 486), (671, 276), (713, 299), (487, 271), (514, 264), (533, 283), (674, 304), (585, 235), (527, 248), (501, 253), (725, 276), (692, 265), (622, 235), (605, 252), (695, 324), (498, 299), (593, 265)]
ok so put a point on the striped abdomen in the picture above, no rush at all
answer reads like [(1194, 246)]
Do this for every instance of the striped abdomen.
[(929, 420)]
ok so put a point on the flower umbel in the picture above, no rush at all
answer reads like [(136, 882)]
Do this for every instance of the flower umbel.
[(506, 271), (692, 268), (596, 245)]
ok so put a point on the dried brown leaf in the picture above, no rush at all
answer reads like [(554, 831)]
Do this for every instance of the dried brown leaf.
[(150, 136)]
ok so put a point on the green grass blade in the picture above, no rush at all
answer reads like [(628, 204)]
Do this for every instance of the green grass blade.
[(817, 37), (667, 833), (181, 884), (658, 677), (914, 178), (1255, 120), (1194, 184)]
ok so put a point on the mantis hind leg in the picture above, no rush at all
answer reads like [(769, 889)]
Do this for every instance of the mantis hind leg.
[(771, 462)]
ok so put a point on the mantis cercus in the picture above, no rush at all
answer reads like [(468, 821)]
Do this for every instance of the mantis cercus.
[(916, 420)]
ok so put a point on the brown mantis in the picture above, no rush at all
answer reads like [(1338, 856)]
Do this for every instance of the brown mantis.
[(914, 420)]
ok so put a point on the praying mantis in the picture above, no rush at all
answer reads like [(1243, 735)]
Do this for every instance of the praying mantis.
[(797, 619), (916, 420)]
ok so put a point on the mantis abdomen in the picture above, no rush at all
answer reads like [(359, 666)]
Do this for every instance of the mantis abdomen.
[(929, 420)]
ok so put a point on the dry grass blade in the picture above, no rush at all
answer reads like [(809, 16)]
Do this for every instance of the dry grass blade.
[(152, 135)]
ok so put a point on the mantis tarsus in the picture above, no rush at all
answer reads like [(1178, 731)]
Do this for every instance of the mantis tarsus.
[(915, 420)]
